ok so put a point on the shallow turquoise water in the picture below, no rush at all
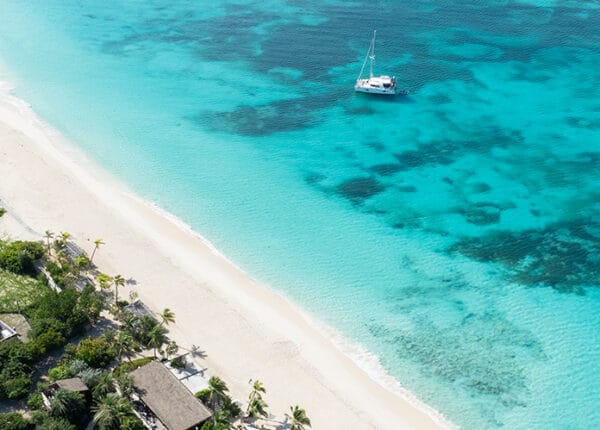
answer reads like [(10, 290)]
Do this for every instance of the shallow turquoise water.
[(455, 233)]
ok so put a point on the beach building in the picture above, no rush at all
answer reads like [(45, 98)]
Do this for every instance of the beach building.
[(70, 384), (139, 309), (162, 402)]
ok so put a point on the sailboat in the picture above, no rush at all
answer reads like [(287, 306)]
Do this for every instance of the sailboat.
[(374, 84)]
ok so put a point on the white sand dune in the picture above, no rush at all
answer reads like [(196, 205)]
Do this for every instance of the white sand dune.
[(246, 330)]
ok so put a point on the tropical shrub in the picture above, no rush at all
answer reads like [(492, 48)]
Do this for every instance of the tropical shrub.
[(68, 405), (15, 421), (62, 371), (96, 352), (16, 388), (15, 369), (35, 401), (130, 366), (19, 256)]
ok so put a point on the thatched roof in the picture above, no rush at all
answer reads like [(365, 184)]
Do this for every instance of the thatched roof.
[(71, 384), (169, 400), (139, 309)]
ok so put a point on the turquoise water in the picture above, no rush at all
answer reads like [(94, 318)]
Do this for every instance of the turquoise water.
[(455, 233)]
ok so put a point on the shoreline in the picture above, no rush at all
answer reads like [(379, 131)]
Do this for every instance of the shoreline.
[(247, 329)]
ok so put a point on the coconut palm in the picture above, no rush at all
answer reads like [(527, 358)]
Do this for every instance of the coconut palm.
[(118, 281), (157, 337), (97, 244), (167, 316), (125, 383), (257, 407), (125, 345), (257, 389), (67, 404), (216, 392), (104, 385), (48, 235), (104, 280), (111, 411), (298, 418)]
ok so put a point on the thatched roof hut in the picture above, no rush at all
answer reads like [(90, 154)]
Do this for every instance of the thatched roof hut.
[(167, 398), (71, 384)]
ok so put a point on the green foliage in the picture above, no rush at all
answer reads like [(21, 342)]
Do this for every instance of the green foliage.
[(68, 405), (51, 423), (2, 211), (19, 256), (90, 377), (18, 387), (15, 369), (96, 352), (55, 317), (104, 385), (111, 412), (35, 401), (298, 418), (81, 262), (130, 366), (92, 302), (17, 292), (132, 423), (14, 421), (62, 371), (232, 410), (203, 395)]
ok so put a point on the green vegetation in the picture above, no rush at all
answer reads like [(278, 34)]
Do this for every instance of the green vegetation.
[(130, 366), (257, 407), (2, 211), (298, 418), (14, 421), (56, 317), (96, 352), (18, 291), (225, 411), (19, 257)]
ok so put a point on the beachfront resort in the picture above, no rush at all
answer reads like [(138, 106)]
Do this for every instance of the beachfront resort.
[(75, 353)]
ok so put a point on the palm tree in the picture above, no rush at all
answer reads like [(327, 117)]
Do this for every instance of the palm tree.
[(67, 404), (216, 391), (257, 408), (118, 281), (111, 411), (298, 418), (256, 404), (167, 316), (125, 345), (257, 389), (104, 281), (104, 386), (48, 235), (97, 244), (157, 337)]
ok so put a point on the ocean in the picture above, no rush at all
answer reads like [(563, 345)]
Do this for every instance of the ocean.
[(453, 233)]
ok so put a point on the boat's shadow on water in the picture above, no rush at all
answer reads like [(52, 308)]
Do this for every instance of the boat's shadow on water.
[(405, 98)]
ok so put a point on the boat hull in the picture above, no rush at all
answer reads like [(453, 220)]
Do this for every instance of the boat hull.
[(382, 91)]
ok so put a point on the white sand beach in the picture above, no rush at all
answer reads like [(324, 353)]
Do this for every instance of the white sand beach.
[(246, 330)]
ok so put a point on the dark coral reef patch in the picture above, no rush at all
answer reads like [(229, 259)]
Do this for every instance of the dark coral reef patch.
[(563, 256)]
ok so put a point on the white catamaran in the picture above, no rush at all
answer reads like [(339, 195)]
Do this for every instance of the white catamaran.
[(374, 84)]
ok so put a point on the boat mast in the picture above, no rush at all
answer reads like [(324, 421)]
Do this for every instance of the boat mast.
[(372, 56)]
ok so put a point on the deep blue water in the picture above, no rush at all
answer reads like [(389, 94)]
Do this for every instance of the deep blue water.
[(454, 233)]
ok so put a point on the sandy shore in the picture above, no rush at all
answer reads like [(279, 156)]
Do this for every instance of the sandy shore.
[(246, 330)]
